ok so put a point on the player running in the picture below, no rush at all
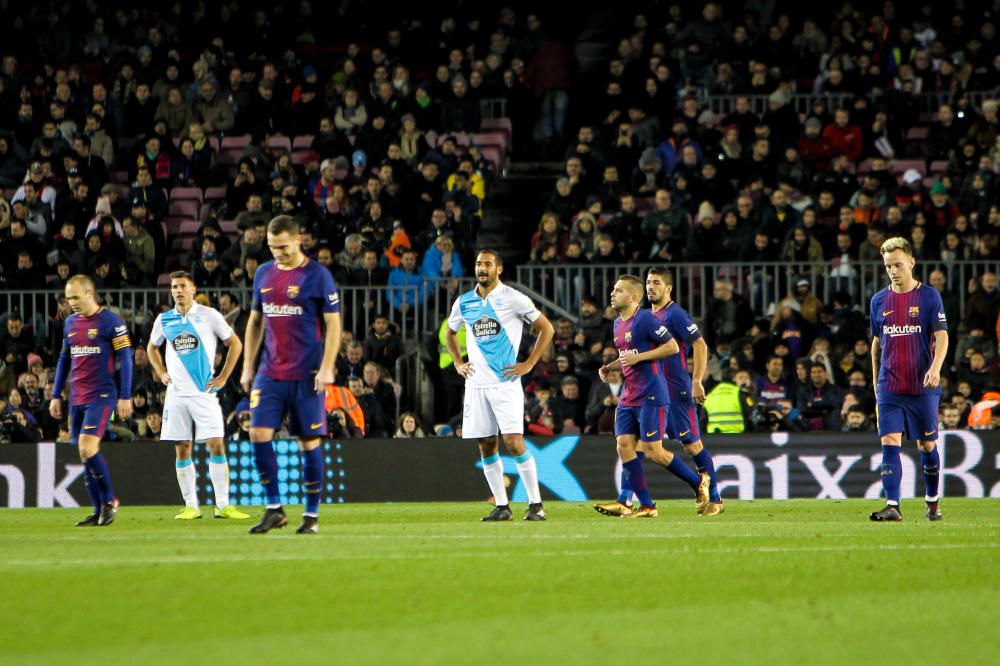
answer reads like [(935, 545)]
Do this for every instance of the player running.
[(907, 318), (87, 365), (296, 315), (494, 315), (191, 410), (640, 419)]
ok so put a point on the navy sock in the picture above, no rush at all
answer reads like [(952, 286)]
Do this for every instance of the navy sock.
[(892, 473), (99, 471), (931, 462), (683, 472), (267, 470), (704, 463), (625, 496), (312, 468), (637, 480), (93, 491)]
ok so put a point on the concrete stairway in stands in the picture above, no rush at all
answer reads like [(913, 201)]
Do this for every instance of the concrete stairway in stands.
[(514, 208)]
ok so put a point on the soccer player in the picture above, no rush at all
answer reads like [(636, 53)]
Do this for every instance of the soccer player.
[(191, 410), (93, 338), (686, 390), (909, 343), (296, 315), (494, 315), (643, 341)]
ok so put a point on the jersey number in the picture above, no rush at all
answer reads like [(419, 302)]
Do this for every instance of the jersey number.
[(254, 398)]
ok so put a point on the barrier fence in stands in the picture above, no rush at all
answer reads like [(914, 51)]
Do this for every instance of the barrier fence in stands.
[(802, 102), (763, 283)]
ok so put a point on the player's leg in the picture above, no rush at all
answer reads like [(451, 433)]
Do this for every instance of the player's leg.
[(653, 426), (683, 426), (307, 420), (76, 415), (489, 454), (218, 471), (186, 481), (924, 416), (632, 466), (625, 487), (507, 404), (891, 424), (626, 429), (95, 421), (267, 409)]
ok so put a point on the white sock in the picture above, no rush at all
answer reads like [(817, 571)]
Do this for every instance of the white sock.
[(186, 477), (218, 469), (493, 469), (529, 475)]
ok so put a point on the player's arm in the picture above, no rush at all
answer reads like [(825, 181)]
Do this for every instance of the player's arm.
[(122, 346), (544, 339), (252, 338), (663, 350), (463, 368), (156, 360), (62, 372), (876, 357), (331, 347), (602, 372), (700, 349), (234, 347), (933, 377)]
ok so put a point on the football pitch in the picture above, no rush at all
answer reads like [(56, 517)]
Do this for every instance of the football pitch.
[(802, 581)]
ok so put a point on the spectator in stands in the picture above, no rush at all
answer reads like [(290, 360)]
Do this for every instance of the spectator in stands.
[(376, 378), (408, 427), (140, 254), (820, 401), (406, 287), (728, 317), (982, 307), (208, 272), (376, 422), (382, 343), (213, 112), (351, 115), (441, 260)]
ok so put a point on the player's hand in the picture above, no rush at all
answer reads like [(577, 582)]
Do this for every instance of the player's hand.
[(464, 370), (217, 384), (602, 372), (932, 379), (698, 393), (124, 409), (55, 408), (516, 370), (246, 380), (165, 378), (631, 359), (323, 379)]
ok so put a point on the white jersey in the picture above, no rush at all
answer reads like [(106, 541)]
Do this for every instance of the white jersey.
[(192, 340), (493, 330)]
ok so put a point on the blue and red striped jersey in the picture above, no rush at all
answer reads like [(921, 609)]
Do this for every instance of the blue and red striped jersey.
[(92, 343), (905, 324), (644, 382), (685, 332)]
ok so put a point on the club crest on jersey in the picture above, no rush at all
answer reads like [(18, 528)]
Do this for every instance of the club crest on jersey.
[(91, 333), (914, 310), (185, 343), (628, 337), (484, 327), (292, 291)]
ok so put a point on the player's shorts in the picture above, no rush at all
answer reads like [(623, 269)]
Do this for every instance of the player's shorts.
[(271, 399), (648, 422), (682, 421), (92, 418), (191, 418), (490, 410), (913, 415)]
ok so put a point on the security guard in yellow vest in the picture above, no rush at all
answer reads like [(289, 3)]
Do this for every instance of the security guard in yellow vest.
[(727, 407)]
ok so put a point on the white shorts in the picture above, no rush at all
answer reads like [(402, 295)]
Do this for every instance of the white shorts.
[(492, 409), (191, 417)]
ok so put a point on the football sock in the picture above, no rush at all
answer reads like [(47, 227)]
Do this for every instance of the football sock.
[(625, 496), (528, 470), (186, 476), (637, 480), (678, 468), (92, 490), (493, 469), (99, 470), (218, 469), (931, 462), (312, 472), (703, 462), (892, 473), (267, 470)]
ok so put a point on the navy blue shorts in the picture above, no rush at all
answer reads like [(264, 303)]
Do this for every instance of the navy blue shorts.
[(647, 422), (271, 399), (682, 424), (92, 418), (916, 416)]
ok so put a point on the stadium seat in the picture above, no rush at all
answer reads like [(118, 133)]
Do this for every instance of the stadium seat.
[(228, 227), (302, 142), (187, 193), (189, 228), (240, 142), (215, 193), (493, 155), (163, 280), (494, 138), (228, 157), (917, 133), (938, 166), (174, 224), (184, 208), (182, 245), (502, 124), (279, 144), (902, 166)]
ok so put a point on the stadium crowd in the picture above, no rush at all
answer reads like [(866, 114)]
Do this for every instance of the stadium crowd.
[(106, 131)]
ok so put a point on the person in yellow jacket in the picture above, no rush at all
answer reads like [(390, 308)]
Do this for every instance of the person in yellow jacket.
[(727, 407)]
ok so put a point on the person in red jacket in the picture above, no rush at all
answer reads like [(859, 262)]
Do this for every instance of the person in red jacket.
[(844, 137)]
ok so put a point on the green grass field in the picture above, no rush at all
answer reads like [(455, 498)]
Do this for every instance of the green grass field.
[(803, 582)]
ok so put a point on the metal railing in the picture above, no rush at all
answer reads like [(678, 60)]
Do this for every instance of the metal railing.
[(493, 107), (762, 284), (802, 102)]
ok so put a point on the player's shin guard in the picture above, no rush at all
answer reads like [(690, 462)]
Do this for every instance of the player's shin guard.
[(218, 469), (931, 462), (93, 491), (187, 482), (493, 469), (703, 463), (99, 471), (312, 471), (625, 496), (637, 480), (267, 470), (528, 471), (678, 468), (892, 474)]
